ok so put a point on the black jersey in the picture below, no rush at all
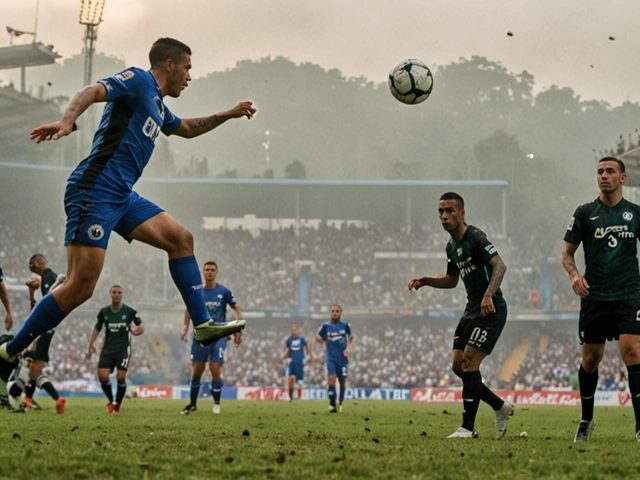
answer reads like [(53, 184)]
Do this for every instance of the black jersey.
[(47, 279), (470, 260), (117, 328), (1, 275), (609, 236)]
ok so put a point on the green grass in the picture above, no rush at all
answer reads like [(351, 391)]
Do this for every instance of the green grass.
[(370, 439)]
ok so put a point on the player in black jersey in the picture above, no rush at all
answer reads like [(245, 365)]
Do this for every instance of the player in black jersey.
[(608, 228), (473, 257)]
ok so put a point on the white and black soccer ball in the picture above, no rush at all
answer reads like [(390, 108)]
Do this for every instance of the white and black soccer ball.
[(411, 81), (15, 402)]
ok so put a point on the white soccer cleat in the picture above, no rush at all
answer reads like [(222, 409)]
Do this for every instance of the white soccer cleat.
[(585, 429), (332, 409), (216, 408), (502, 415), (463, 433), (340, 408)]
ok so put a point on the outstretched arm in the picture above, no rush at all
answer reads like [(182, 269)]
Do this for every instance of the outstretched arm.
[(193, 127), (79, 103), (441, 281), (6, 301)]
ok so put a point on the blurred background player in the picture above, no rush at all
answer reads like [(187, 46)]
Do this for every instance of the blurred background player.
[(216, 297), (337, 336), (473, 257), (5, 298), (116, 350), (294, 353), (99, 197), (36, 355)]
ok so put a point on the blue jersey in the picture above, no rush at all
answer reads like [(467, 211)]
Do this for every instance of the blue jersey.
[(132, 119), (296, 348), (336, 336), (216, 299)]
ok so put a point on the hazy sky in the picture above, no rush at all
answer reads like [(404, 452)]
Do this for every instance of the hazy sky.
[(561, 42)]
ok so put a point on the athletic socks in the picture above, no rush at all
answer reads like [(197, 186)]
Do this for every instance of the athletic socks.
[(216, 391), (120, 391), (331, 393), (342, 392), (106, 388), (195, 390), (471, 391), (493, 400), (45, 316), (588, 383), (30, 388), (634, 388), (291, 393), (45, 384), (186, 275)]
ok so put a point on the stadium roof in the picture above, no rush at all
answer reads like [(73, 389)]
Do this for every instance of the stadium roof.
[(30, 55), (190, 199), (631, 160)]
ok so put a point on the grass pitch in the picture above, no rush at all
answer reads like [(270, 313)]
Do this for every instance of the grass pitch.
[(255, 440)]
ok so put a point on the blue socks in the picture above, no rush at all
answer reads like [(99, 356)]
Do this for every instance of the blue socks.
[(216, 391), (186, 276), (331, 393), (45, 316), (195, 390)]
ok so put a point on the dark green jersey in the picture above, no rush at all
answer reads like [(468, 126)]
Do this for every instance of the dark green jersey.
[(609, 236), (117, 327), (470, 260)]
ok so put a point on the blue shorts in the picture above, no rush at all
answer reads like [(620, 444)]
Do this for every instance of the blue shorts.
[(296, 369), (213, 353), (92, 215), (338, 368)]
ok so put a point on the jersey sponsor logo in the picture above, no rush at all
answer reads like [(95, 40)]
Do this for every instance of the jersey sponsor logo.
[(628, 216), (491, 249), (571, 222), (95, 232), (335, 336), (466, 267), (212, 305), (621, 230), (151, 129), (126, 75)]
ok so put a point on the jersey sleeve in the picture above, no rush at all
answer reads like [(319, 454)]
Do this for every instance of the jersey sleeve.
[(98, 325), (322, 332), (348, 331), (452, 268), (230, 299), (171, 122), (136, 317), (125, 84), (1, 275), (573, 234)]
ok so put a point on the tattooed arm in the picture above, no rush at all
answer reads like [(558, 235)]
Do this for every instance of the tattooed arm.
[(499, 269), (193, 127)]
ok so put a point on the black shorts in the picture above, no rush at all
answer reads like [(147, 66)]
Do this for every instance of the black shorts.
[(602, 321), (40, 350), (112, 360), (481, 332)]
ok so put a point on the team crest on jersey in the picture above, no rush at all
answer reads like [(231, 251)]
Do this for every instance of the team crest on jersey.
[(219, 295), (627, 216), (459, 251), (124, 317), (95, 232)]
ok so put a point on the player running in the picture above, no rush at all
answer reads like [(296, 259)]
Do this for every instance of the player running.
[(608, 228), (336, 334), (216, 298), (294, 355), (116, 350), (473, 257), (99, 197)]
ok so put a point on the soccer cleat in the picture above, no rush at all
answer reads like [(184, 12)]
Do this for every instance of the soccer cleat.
[(638, 435), (502, 415), (28, 402), (60, 405), (116, 413), (464, 433), (188, 409), (340, 408), (35, 405), (110, 408), (208, 332), (585, 429), (4, 402), (4, 355), (332, 409), (216, 408)]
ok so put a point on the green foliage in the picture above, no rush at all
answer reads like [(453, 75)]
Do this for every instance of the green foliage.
[(295, 170), (404, 170), (248, 440)]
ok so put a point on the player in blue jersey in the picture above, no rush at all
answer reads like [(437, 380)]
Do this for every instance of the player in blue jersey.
[(473, 257), (294, 354), (216, 297), (99, 198), (336, 334), (609, 291)]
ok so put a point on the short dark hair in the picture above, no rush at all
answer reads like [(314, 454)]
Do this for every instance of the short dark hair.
[(37, 256), (453, 196), (115, 286), (210, 262), (167, 49), (614, 159), (336, 305)]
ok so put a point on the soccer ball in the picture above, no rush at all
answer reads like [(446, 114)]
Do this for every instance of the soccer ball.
[(410, 81)]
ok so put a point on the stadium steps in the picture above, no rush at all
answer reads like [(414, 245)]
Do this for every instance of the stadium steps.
[(544, 343), (515, 359), (161, 348)]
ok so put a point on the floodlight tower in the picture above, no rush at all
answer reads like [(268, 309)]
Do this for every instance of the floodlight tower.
[(90, 16)]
